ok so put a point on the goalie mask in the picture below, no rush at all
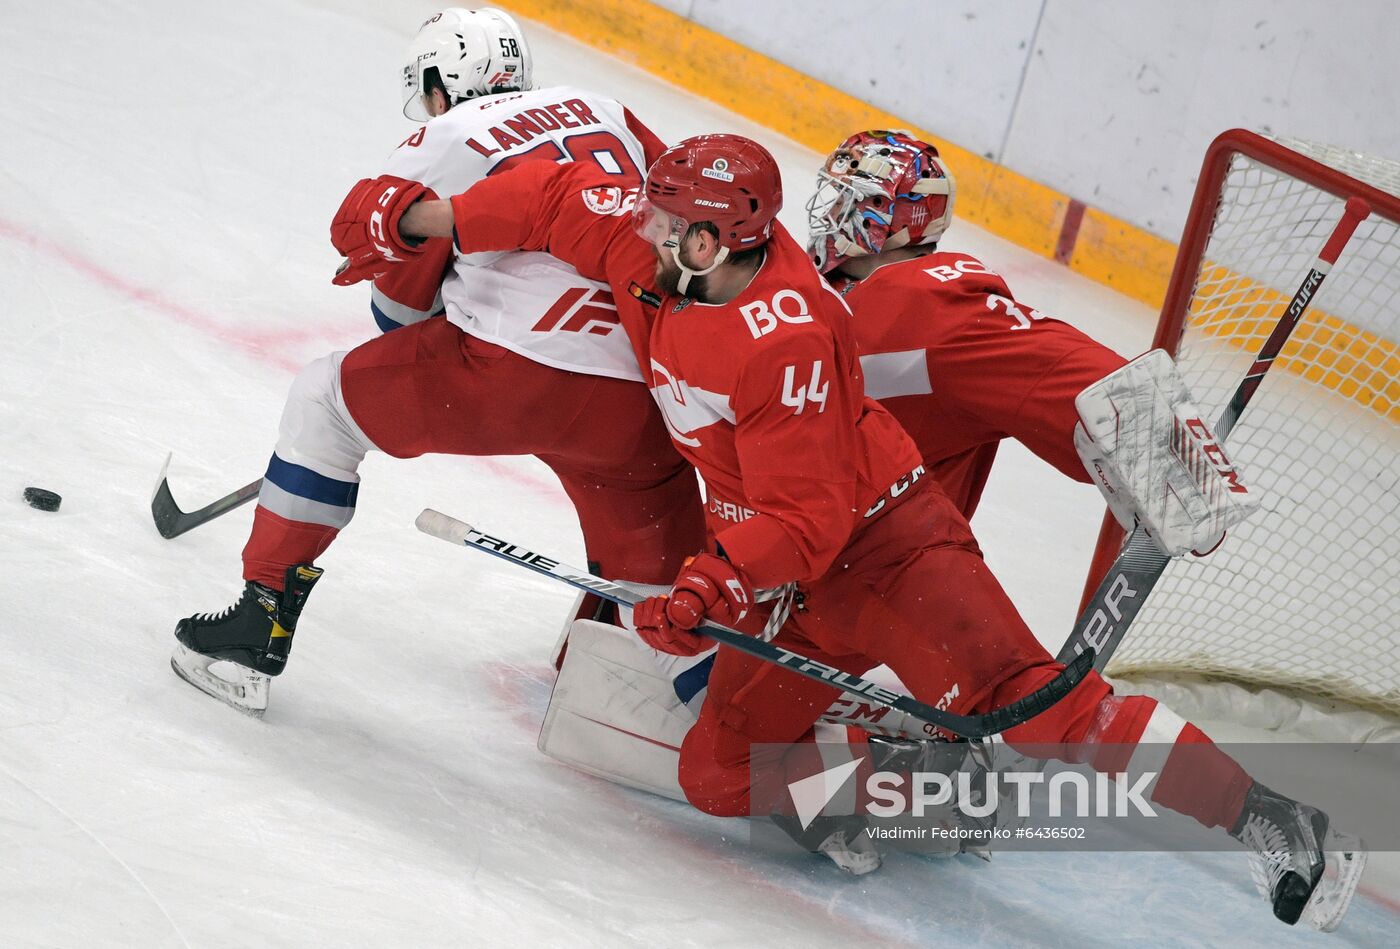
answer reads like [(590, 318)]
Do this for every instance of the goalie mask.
[(471, 52), (878, 191)]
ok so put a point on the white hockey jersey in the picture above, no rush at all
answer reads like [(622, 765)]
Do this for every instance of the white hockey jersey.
[(529, 303)]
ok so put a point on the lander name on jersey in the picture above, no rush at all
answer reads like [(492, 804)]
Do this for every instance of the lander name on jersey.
[(530, 303)]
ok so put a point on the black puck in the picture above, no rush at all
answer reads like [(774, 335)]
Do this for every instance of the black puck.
[(42, 499)]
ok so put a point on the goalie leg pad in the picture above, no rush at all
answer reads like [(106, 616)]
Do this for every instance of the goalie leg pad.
[(614, 714), (1155, 459), (620, 710)]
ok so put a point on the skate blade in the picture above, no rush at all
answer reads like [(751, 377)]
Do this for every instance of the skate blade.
[(982, 852), (248, 692), (1346, 859), (857, 858)]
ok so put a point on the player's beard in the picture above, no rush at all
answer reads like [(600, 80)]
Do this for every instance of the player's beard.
[(668, 277)]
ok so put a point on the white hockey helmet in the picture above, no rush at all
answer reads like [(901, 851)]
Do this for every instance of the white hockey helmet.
[(471, 52)]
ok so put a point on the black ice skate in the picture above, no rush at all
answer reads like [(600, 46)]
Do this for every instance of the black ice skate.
[(1305, 868), (254, 637)]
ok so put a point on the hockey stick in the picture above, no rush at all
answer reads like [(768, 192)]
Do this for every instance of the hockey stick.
[(970, 726), (1140, 564), (172, 522)]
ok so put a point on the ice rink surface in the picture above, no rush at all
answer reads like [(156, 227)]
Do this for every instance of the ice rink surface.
[(167, 175)]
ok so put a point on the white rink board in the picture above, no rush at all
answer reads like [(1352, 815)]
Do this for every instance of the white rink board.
[(165, 269), (1112, 103)]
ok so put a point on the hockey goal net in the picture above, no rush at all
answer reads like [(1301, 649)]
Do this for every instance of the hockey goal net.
[(1305, 596)]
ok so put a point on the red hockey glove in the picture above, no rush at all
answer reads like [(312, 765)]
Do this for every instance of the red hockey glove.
[(658, 632), (366, 228), (707, 587)]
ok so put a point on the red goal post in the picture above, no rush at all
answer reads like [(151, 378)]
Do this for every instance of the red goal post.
[(1306, 595)]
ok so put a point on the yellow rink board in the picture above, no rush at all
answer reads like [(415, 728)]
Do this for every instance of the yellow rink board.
[(1323, 349), (1326, 350)]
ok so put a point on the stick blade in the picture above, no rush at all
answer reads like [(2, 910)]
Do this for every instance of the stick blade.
[(164, 511), (171, 521)]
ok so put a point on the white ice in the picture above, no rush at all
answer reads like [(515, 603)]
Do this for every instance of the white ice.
[(167, 174)]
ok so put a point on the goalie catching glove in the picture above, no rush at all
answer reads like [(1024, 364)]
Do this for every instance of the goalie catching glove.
[(1156, 461), (366, 227), (708, 587)]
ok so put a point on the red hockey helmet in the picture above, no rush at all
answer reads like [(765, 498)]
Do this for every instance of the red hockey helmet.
[(877, 191), (728, 180)]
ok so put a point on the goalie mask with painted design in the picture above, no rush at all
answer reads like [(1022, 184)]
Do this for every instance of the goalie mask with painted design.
[(878, 191)]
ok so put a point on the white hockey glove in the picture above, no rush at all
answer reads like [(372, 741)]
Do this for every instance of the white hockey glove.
[(1156, 460)]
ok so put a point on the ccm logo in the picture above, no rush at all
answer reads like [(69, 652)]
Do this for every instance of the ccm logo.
[(1215, 454), (850, 710), (377, 234)]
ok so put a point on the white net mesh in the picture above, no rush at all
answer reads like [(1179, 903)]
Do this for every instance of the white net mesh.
[(1305, 595)]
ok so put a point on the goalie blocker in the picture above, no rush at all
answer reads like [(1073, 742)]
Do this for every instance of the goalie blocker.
[(1155, 459)]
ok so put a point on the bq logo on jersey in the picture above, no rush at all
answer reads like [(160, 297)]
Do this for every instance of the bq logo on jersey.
[(763, 316), (718, 170)]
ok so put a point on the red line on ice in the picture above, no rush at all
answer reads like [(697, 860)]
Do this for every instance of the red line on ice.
[(501, 467), (265, 345), (1380, 899)]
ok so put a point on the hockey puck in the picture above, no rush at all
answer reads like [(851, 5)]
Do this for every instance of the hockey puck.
[(42, 499)]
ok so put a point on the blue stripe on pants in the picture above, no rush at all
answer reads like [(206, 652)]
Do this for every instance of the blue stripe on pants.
[(305, 483), (689, 683)]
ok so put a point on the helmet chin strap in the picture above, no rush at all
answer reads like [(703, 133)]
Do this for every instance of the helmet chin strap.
[(686, 272)]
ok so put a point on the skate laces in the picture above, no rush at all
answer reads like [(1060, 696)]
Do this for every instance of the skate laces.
[(255, 590), (1271, 854), (222, 614)]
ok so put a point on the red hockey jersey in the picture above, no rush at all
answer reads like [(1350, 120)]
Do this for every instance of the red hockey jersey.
[(763, 394), (948, 350)]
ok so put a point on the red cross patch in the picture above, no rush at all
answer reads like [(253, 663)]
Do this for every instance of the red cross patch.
[(603, 200)]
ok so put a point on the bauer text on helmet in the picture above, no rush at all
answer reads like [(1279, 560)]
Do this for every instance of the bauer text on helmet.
[(727, 182), (878, 191), (465, 53)]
